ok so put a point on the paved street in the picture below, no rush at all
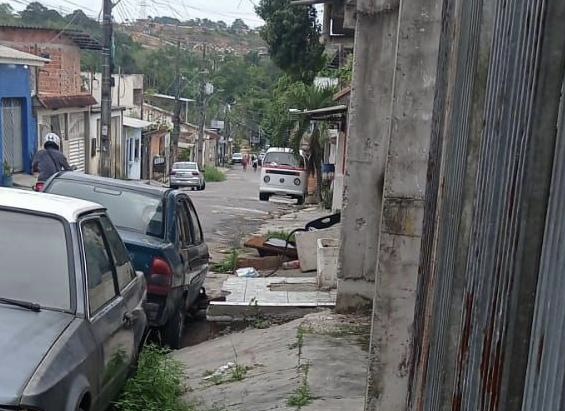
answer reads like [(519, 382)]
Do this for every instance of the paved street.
[(230, 210)]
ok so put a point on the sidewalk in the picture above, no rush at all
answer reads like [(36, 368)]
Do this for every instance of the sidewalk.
[(24, 181), (319, 360)]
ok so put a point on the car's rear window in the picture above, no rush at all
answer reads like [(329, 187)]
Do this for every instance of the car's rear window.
[(35, 262), (137, 211), (279, 158), (184, 166)]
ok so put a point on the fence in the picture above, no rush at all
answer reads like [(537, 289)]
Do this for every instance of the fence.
[(489, 324)]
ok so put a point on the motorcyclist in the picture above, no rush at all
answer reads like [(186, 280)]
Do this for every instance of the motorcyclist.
[(50, 160)]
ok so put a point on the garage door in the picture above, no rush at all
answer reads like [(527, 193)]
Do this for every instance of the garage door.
[(12, 133)]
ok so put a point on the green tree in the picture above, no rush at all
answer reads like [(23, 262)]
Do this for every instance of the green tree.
[(293, 36), (7, 14)]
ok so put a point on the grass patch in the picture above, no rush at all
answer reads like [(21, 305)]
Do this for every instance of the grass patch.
[(229, 264), (157, 385), (299, 340), (213, 174), (281, 235), (302, 396)]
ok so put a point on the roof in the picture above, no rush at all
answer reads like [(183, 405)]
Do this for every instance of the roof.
[(166, 96), (125, 184), (12, 56), (57, 102), (82, 39), (136, 123), (68, 208), (322, 113), (342, 93)]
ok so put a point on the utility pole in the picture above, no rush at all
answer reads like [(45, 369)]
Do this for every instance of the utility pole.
[(202, 122), (176, 115), (106, 98)]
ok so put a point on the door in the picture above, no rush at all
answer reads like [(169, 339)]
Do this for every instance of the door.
[(12, 133), (198, 255), (183, 238), (76, 138), (134, 154), (131, 285), (108, 314)]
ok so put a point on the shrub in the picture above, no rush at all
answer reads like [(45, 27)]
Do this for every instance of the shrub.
[(212, 174), (157, 385)]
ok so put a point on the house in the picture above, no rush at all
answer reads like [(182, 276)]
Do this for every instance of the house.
[(62, 106), (126, 127), (18, 132)]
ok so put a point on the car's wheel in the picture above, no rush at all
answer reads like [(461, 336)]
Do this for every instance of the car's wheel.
[(204, 185), (174, 187), (299, 200), (263, 196), (174, 329)]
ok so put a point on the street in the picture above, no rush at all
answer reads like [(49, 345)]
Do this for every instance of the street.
[(230, 210)]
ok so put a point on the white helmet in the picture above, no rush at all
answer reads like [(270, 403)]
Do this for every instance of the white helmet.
[(52, 138)]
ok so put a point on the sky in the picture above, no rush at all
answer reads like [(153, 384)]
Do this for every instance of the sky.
[(226, 10)]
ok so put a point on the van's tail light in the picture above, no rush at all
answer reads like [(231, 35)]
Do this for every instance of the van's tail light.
[(160, 277)]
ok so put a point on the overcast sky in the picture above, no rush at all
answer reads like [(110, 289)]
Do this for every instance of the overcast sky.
[(226, 10)]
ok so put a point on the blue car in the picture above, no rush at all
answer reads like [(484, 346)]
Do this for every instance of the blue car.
[(162, 232)]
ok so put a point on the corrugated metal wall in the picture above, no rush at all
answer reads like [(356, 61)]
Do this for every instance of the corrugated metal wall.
[(500, 71)]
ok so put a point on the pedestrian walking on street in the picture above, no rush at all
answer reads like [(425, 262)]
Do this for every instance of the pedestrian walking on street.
[(255, 161), (244, 161), (50, 160)]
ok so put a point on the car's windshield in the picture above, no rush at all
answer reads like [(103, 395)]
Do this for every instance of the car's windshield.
[(279, 158), (237, 155), (141, 212), (184, 166), (35, 263)]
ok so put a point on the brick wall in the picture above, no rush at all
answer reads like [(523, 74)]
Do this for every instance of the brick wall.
[(62, 75)]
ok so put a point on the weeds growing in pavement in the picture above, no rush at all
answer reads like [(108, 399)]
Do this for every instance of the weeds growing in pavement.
[(302, 396), (212, 174), (229, 264), (158, 384)]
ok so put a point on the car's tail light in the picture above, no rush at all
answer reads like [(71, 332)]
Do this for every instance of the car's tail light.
[(160, 277), (39, 186), (195, 173)]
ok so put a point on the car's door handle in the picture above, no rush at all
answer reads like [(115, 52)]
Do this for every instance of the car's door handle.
[(127, 320)]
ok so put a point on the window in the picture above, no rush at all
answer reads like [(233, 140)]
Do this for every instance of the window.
[(99, 267), (183, 224), (137, 96), (137, 149), (35, 261), (196, 229), (137, 211), (124, 269)]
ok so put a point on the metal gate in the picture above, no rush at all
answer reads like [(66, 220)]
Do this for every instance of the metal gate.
[(500, 73), (75, 149), (12, 133)]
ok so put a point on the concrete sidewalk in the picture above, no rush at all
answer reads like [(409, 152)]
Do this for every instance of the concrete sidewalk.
[(319, 359)]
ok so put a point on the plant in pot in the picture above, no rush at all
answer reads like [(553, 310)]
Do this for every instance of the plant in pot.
[(7, 175)]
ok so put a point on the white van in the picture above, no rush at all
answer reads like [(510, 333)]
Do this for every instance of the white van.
[(283, 173)]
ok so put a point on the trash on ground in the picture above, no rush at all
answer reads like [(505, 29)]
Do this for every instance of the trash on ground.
[(291, 265), (248, 272), (220, 371), (271, 247)]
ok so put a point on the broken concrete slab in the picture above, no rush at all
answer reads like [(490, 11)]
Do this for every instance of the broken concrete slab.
[(337, 366), (274, 296)]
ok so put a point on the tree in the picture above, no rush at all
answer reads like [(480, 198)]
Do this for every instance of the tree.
[(239, 26), (37, 14), (293, 36), (6, 13)]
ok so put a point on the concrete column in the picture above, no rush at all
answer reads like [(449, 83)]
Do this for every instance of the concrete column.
[(367, 148)]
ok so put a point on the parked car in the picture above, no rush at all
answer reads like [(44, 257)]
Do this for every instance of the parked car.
[(186, 174), (236, 158), (71, 314), (283, 173), (162, 233)]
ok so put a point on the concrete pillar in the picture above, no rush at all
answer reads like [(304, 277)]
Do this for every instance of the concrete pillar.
[(367, 148)]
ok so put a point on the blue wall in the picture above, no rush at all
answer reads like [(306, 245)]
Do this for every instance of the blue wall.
[(15, 83)]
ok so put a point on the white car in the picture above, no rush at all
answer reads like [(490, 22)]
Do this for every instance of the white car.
[(186, 174), (237, 158), (283, 173)]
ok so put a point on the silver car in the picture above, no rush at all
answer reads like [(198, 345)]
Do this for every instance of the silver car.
[(71, 316), (186, 174)]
